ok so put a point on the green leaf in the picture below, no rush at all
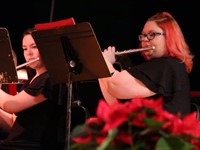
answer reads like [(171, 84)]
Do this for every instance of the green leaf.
[(111, 135), (87, 146), (77, 131), (173, 143), (156, 125)]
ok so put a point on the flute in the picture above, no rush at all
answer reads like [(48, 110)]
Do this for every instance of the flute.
[(134, 50), (29, 62)]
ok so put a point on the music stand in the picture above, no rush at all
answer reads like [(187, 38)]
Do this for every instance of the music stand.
[(71, 53), (8, 73)]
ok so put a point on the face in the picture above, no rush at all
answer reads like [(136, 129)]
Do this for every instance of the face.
[(31, 51), (153, 35)]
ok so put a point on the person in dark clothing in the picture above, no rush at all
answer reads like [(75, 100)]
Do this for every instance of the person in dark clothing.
[(35, 117), (164, 74)]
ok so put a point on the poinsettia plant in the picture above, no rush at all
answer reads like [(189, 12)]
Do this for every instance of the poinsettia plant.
[(139, 124)]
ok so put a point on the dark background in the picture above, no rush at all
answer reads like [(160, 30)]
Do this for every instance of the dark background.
[(114, 22)]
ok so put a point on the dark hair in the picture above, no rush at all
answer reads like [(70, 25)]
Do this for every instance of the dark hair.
[(31, 72), (28, 31)]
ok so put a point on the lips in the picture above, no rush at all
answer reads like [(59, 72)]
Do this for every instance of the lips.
[(30, 59), (149, 52)]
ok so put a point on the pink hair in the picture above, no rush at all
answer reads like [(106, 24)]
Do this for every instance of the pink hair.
[(175, 41)]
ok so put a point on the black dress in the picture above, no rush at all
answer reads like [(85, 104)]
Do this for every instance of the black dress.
[(166, 76), (41, 127)]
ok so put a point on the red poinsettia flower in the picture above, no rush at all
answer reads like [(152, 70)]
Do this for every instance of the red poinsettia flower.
[(114, 116), (83, 139), (188, 125), (136, 123)]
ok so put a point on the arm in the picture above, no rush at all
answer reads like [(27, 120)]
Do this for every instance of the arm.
[(6, 120), (121, 85), (19, 102), (109, 56), (107, 96)]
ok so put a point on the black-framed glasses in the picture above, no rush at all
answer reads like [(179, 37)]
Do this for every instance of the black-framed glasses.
[(149, 36)]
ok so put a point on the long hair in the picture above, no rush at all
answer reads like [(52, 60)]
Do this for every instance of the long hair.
[(31, 72), (175, 41)]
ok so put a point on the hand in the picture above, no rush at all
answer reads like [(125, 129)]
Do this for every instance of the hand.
[(109, 54)]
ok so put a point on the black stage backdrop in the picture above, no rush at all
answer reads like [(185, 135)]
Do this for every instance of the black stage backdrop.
[(114, 22)]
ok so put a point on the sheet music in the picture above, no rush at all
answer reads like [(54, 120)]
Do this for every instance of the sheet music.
[(8, 73)]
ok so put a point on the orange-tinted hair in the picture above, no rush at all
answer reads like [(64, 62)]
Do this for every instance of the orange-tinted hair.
[(175, 41)]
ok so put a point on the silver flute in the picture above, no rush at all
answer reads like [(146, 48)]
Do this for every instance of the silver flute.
[(134, 50), (29, 62)]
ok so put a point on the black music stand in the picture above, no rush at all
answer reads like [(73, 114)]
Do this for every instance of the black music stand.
[(71, 53), (8, 73)]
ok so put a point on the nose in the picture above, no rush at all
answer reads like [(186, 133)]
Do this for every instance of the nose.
[(30, 51), (144, 43), (145, 39)]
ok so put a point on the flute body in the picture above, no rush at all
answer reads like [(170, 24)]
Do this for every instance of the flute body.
[(134, 50), (29, 62)]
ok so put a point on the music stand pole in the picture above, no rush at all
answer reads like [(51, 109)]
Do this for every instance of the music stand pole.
[(68, 113)]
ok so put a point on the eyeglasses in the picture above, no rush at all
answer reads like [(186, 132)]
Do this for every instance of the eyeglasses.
[(149, 36)]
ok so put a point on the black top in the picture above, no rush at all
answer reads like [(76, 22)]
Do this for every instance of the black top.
[(166, 76), (43, 125)]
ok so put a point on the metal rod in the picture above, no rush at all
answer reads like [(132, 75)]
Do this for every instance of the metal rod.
[(29, 62), (134, 50), (52, 10)]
